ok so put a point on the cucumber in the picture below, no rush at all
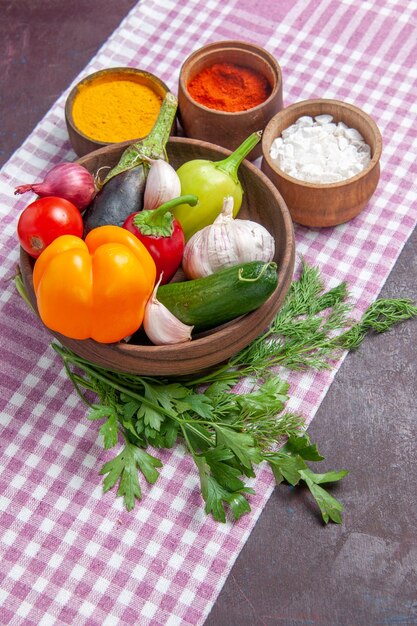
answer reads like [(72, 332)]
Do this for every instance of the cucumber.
[(216, 299)]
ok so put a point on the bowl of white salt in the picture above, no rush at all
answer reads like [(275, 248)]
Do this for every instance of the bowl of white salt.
[(323, 156)]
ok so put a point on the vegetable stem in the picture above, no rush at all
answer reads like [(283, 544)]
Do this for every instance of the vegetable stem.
[(230, 165), (261, 273), (153, 145), (169, 204), (108, 380), (161, 130), (159, 222), (18, 281)]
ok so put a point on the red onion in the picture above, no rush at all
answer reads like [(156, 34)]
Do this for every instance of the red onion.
[(66, 180)]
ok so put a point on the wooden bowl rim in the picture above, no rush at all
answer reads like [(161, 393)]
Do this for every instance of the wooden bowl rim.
[(91, 78), (242, 46), (303, 107), (196, 349)]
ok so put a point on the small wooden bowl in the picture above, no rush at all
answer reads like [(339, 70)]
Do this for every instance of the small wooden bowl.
[(220, 127), (261, 203), (319, 205), (83, 144)]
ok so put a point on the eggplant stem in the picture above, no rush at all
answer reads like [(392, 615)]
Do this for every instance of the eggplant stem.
[(153, 145), (230, 165)]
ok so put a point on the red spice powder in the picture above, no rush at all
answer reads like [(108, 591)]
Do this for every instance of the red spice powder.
[(229, 87)]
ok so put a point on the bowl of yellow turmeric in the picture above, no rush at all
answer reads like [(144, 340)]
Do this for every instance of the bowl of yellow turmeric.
[(111, 106)]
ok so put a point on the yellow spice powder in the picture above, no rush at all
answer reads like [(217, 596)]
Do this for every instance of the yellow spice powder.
[(115, 110)]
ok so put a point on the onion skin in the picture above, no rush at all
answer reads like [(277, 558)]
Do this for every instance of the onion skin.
[(69, 181)]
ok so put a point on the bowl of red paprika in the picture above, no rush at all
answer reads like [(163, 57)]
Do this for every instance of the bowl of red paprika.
[(226, 91)]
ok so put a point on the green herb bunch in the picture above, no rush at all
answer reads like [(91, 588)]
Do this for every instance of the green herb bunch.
[(228, 434)]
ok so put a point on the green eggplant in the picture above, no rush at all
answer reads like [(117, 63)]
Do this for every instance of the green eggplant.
[(123, 189), (211, 182)]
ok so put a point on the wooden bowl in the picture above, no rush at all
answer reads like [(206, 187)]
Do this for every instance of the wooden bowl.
[(82, 143), (319, 205), (219, 127), (261, 203)]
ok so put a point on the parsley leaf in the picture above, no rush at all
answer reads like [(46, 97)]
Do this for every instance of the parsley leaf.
[(271, 396), (328, 477), (220, 485), (130, 408), (241, 444), (151, 415), (124, 468), (108, 430), (289, 464), (301, 445), (286, 466), (330, 508), (199, 403), (227, 433)]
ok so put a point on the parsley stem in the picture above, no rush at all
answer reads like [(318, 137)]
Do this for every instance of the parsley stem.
[(75, 380), (93, 371), (187, 441)]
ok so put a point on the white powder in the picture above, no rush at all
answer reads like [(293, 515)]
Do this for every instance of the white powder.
[(317, 150)]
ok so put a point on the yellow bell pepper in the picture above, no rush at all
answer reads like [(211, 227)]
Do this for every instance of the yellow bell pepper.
[(97, 288)]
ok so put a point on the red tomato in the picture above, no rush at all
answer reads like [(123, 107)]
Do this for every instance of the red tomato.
[(166, 249), (46, 219)]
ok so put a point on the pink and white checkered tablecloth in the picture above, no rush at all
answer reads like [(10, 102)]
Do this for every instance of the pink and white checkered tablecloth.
[(71, 555)]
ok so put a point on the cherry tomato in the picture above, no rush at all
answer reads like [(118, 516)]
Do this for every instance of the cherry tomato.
[(162, 235), (44, 220)]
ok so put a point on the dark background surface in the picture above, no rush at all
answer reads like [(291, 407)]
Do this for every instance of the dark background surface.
[(293, 571)]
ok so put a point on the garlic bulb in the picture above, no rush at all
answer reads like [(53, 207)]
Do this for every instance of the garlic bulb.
[(161, 326), (226, 242), (162, 184)]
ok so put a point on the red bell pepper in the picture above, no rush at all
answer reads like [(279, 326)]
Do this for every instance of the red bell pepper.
[(161, 234)]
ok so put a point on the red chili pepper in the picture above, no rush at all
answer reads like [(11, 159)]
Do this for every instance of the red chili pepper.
[(161, 234)]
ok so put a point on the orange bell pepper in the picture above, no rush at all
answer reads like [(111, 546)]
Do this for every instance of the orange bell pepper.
[(95, 288)]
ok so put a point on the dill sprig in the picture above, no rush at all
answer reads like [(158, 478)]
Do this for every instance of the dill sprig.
[(380, 317), (305, 332)]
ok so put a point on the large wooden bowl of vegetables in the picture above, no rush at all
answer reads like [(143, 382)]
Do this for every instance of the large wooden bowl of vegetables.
[(261, 203)]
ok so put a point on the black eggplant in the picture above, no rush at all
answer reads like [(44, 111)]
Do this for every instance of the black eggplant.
[(123, 188), (119, 198)]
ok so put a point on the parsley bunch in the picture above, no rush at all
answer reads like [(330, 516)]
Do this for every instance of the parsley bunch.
[(228, 434)]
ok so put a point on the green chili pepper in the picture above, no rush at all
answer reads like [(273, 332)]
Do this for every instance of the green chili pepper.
[(211, 182)]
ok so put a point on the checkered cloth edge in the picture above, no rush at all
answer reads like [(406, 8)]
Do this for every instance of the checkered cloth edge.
[(71, 555)]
